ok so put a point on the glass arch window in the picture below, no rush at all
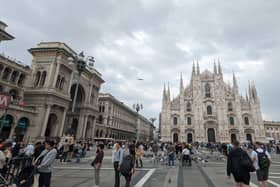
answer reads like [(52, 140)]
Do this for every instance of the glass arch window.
[(231, 120), (209, 110), (189, 120), (189, 107), (175, 120), (230, 108), (207, 90), (246, 121)]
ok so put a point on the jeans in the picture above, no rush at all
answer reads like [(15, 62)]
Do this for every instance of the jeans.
[(127, 180), (96, 176), (45, 179), (171, 159), (117, 174)]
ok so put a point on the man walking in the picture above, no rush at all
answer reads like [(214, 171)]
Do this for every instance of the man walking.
[(235, 167), (262, 162), (44, 164), (117, 161)]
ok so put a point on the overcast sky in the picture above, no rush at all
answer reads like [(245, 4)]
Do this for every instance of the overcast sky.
[(156, 40)]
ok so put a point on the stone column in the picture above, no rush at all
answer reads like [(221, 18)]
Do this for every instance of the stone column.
[(85, 126), (70, 82), (62, 122), (80, 126), (45, 122), (55, 75)]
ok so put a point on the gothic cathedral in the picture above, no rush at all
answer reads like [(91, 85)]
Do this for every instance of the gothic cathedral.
[(209, 110)]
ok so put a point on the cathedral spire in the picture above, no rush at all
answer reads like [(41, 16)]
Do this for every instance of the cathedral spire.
[(193, 70), (197, 67), (219, 67), (181, 83), (247, 99), (234, 80), (215, 67), (168, 92), (164, 92)]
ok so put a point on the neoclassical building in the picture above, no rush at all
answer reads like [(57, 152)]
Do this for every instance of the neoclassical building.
[(119, 122), (42, 94), (209, 110)]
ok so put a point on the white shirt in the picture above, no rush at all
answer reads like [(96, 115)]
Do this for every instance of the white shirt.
[(29, 150), (254, 155), (186, 151)]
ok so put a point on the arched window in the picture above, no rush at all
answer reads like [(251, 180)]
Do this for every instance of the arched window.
[(1, 68), (57, 81), (21, 79), (14, 76), (246, 121), (230, 108), (207, 90), (62, 83), (43, 78), (1, 88), (13, 93), (175, 121), (231, 120), (189, 107), (97, 133), (189, 119), (209, 110), (6, 73), (37, 78)]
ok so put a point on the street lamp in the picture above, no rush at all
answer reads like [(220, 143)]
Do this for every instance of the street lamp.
[(81, 63)]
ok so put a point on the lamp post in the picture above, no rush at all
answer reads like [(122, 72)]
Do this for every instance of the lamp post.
[(137, 107), (81, 63)]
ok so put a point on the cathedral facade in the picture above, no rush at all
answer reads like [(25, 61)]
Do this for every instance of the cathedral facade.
[(209, 110)]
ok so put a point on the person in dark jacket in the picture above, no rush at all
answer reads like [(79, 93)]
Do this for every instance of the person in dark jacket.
[(241, 174), (97, 163)]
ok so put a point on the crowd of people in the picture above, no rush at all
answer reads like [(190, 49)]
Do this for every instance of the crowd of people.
[(242, 159)]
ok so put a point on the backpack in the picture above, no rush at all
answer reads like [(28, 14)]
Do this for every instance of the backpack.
[(127, 165), (263, 160)]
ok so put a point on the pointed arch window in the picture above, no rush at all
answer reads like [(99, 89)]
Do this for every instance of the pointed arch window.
[(207, 90), (231, 120), (189, 107), (175, 120), (189, 120), (246, 121), (43, 78), (209, 110), (230, 108)]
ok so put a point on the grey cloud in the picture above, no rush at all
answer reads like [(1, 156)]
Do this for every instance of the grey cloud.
[(238, 32)]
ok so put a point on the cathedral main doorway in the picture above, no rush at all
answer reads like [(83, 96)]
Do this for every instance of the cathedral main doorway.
[(189, 138), (249, 137), (232, 137), (211, 135), (175, 138)]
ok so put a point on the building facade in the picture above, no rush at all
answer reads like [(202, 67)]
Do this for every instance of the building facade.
[(119, 122), (41, 95), (272, 131), (209, 110)]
